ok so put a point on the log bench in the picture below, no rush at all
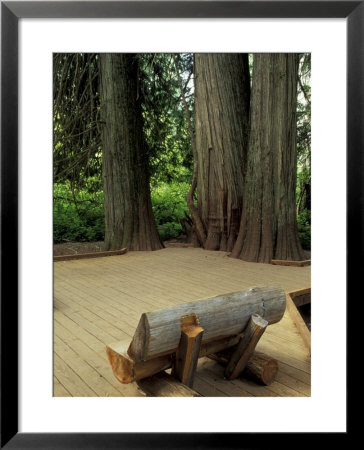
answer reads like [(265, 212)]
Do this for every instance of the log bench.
[(226, 328)]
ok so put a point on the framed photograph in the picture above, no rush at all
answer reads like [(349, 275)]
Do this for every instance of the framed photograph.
[(45, 402)]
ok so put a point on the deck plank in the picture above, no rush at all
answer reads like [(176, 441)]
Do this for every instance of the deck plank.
[(70, 379), (85, 371), (100, 300), (59, 390), (97, 361)]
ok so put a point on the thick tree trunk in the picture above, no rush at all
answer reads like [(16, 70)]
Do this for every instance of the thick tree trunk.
[(129, 220), (222, 120), (268, 228)]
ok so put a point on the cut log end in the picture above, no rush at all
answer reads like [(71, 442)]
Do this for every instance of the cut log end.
[(122, 366), (261, 368), (126, 370)]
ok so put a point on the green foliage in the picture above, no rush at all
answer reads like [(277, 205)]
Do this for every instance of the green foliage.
[(169, 205), (303, 192), (304, 228), (76, 117), (304, 130), (165, 126), (304, 111), (78, 215), (303, 189)]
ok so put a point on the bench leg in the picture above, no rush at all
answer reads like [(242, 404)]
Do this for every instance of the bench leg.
[(185, 363), (245, 347)]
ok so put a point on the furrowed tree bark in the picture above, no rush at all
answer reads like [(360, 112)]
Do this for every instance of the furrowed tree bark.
[(222, 99), (129, 220), (268, 228)]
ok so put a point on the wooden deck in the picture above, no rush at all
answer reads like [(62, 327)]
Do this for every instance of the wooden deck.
[(98, 301)]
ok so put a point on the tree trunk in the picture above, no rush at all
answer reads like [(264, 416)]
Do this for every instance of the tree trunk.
[(129, 220), (268, 228), (222, 119)]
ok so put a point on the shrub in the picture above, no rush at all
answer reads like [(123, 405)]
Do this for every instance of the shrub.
[(304, 228), (169, 205), (77, 216)]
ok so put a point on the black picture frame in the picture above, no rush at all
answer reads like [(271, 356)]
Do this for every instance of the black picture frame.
[(11, 12)]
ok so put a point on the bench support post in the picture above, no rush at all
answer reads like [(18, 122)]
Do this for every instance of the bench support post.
[(260, 368), (186, 357), (245, 348)]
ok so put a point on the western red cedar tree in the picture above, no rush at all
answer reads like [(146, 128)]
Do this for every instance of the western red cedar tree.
[(222, 86), (129, 219), (268, 228)]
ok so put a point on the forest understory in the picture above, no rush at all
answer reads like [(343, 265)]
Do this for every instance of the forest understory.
[(149, 147)]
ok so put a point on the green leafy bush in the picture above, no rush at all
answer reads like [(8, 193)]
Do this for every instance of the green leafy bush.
[(304, 228), (169, 205), (77, 215)]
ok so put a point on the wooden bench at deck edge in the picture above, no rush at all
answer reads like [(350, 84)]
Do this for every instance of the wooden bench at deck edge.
[(174, 338)]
